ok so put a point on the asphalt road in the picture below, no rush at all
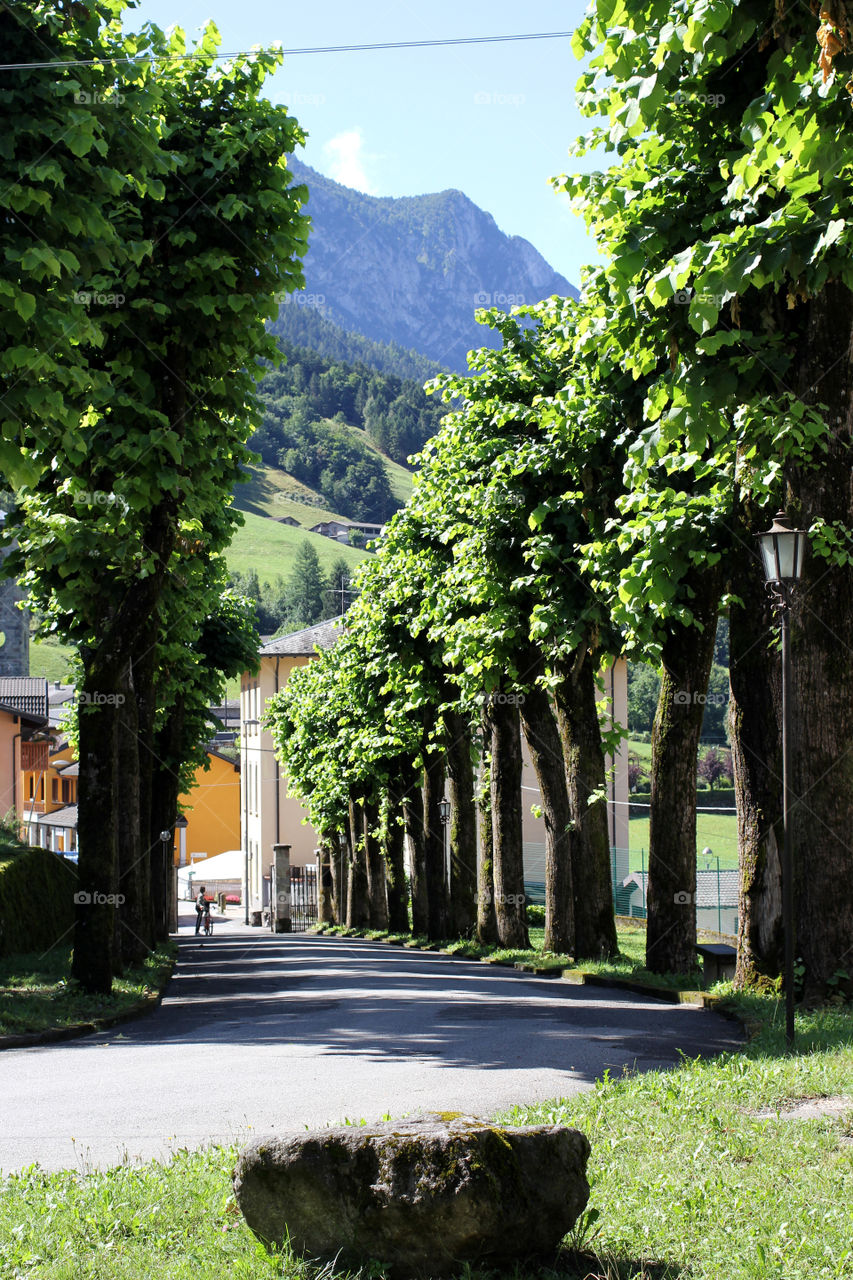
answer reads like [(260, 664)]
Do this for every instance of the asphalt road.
[(260, 1033)]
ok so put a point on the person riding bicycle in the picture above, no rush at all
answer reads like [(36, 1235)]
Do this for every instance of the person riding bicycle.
[(202, 908)]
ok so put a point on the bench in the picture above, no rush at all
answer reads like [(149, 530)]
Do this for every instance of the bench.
[(719, 961)]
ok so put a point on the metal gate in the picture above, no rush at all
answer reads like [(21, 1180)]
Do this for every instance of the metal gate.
[(303, 898)]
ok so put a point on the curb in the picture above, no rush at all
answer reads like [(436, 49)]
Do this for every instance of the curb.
[(575, 977), (52, 1035)]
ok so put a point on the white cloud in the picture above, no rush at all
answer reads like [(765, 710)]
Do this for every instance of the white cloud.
[(345, 155)]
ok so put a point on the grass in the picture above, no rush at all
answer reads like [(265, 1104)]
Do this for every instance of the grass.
[(717, 831), (49, 659), (271, 548), (687, 1183), (628, 966), (37, 994), (268, 491)]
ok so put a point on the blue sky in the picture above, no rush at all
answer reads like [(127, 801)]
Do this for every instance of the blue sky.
[(494, 121)]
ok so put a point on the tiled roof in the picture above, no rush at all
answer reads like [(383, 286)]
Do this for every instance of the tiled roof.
[(66, 817), (26, 694), (305, 643)]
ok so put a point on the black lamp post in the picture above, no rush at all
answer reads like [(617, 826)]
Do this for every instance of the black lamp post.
[(444, 814), (782, 552), (342, 841)]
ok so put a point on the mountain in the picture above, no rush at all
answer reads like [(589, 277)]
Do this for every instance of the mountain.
[(307, 328), (411, 270)]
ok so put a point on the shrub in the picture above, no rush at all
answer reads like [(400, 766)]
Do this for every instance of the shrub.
[(36, 899)]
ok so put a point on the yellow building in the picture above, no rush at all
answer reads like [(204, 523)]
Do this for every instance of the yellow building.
[(211, 811)]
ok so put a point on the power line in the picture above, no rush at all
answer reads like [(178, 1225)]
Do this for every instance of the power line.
[(292, 53)]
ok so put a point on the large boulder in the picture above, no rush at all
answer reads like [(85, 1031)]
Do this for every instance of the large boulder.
[(421, 1196)]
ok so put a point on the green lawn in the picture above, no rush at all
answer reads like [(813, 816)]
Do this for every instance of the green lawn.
[(49, 658), (36, 991), (717, 831), (267, 491), (271, 548)]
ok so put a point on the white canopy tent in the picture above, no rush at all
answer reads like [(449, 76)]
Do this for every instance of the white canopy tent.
[(221, 874)]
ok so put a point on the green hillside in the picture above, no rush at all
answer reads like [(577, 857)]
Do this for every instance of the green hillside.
[(269, 548)]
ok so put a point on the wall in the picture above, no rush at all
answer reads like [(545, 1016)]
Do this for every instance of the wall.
[(212, 811)]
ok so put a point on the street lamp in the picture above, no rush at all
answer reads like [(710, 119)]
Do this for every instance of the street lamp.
[(782, 551), (342, 841), (444, 815)]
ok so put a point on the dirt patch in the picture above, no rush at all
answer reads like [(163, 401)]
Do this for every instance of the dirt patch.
[(807, 1109)]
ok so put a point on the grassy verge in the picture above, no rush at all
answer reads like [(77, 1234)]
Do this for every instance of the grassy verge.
[(687, 1183), (37, 994), (628, 966)]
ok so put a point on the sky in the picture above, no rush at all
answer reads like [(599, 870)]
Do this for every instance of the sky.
[(494, 121)]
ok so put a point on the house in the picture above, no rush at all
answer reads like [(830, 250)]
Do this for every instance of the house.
[(341, 530), (211, 811), (272, 816), (269, 814), (716, 899), (24, 739)]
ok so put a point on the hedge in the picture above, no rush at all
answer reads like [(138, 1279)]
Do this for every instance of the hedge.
[(719, 798), (36, 899)]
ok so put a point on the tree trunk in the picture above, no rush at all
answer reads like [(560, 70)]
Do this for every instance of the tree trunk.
[(546, 753), (358, 915), (435, 838), (377, 901), (506, 768), (97, 830), (463, 828), (586, 776), (339, 868), (398, 910), (821, 711), (165, 791), (413, 818), (487, 924), (134, 912), (671, 895), (754, 720), (325, 888)]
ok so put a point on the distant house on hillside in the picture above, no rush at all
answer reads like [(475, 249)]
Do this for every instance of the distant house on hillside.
[(341, 530), (287, 520)]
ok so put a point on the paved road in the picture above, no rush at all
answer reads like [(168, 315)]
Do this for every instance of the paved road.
[(261, 1033)]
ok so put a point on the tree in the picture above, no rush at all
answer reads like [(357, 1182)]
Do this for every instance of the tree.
[(305, 588), (728, 287), (713, 766), (643, 695), (143, 484)]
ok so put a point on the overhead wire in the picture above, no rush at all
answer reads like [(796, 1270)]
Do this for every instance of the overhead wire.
[(291, 53)]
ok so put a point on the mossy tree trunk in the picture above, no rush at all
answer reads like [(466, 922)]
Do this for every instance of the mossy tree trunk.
[(687, 654), (358, 907), (413, 820), (487, 925), (586, 777), (463, 827), (377, 900), (505, 780), (435, 839), (546, 754)]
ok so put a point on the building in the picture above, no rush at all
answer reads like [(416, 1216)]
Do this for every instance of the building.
[(24, 739), (14, 625), (269, 814), (341, 530), (211, 812)]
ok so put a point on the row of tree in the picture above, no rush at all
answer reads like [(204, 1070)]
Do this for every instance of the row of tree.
[(597, 492), (151, 225)]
